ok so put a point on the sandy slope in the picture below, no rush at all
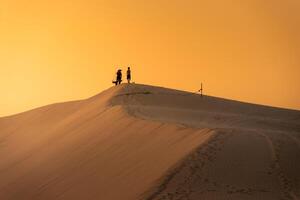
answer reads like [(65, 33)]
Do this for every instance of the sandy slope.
[(142, 142)]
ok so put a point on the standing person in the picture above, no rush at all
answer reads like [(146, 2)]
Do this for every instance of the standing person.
[(128, 75), (119, 77)]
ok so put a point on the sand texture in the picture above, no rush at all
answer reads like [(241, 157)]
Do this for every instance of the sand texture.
[(139, 142)]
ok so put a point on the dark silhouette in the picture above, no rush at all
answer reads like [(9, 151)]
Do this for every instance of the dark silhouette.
[(201, 90), (128, 75), (119, 77)]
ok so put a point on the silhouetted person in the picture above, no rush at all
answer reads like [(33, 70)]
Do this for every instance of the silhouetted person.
[(119, 77), (128, 75)]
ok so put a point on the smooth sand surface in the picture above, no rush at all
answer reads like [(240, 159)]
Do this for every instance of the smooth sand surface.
[(134, 142)]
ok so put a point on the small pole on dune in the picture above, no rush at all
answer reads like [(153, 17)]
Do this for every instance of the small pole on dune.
[(201, 90)]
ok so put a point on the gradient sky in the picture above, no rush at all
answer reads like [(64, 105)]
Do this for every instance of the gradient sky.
[(55, 51)]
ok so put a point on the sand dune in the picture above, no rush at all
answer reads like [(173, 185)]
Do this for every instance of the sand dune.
[(143, 142)]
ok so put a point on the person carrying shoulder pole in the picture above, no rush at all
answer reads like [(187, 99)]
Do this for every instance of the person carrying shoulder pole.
[(128, 75)]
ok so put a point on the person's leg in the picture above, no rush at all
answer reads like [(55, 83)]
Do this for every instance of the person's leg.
[(128, 78)]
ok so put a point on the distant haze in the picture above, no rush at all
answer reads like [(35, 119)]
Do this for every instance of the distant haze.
[(55, 50)]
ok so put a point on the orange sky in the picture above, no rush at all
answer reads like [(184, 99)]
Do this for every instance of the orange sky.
[(53, 50)]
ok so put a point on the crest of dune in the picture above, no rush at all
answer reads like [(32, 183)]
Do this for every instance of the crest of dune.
[(143, 142)]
